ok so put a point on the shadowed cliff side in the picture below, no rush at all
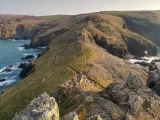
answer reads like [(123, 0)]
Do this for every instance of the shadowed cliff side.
[(145, 23)]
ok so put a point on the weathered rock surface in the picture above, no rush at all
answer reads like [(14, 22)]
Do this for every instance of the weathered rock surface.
[(71, 116), (139, 102), (2, 80), (28, 57), (22, 32), (40, 108), (28, 69), (143, 63), (153, 80), (22, 65), (43, 52), (83, 69)]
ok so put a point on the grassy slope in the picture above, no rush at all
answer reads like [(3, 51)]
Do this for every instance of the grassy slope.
[(50, 17), (50, 73)]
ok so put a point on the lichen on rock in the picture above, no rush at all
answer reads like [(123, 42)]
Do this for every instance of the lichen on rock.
[(40, 108)]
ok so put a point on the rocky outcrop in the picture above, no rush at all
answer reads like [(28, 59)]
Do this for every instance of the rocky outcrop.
[(28, 69), (40, 108), (2, 80), (43, 52), (22, 65), (118, 49), (71, 116), (135, 100), (153, 80), (6, 70), (28, 57), (143, 63), (137, 45), (21, 32), (44, 39)]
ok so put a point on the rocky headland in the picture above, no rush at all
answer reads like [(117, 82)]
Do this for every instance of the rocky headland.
[(85, 68)]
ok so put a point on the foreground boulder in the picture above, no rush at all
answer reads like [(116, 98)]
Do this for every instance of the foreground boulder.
[(40, 108)]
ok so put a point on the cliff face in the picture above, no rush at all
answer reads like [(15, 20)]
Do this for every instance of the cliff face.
[(19, 27), (80, 67), (145, 23), (107, 31)]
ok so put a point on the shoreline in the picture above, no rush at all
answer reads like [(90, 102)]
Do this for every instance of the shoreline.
[(9, 73)]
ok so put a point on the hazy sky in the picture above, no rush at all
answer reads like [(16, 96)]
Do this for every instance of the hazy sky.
[(52, 7)]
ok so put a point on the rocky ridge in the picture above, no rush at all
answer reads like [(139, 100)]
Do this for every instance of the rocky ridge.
[(80, 67), (130, 100)]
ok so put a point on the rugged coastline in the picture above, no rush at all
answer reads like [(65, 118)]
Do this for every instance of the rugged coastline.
[(83, 66)]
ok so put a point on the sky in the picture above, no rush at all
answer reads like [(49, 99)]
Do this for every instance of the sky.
[(72, 7)]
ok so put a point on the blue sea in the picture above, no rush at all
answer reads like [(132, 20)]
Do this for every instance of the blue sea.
[(11, 53)]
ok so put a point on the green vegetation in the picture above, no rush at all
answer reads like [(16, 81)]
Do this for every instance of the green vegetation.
[(51, 17), (70, 53), (69, 104), (51, 71), (145, 23)]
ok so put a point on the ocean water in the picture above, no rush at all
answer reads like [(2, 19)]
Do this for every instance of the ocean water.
[(147, 59), (11, 53)]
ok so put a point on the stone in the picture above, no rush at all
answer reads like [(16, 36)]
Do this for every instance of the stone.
[(133, 81), (138, 105), (6, 70), (143, 63), (2, 80), (152, 66), (22, 65), (146, 53), (28, 69), (71, 116), (1, 92), (80, 77), (128, 117), (27, 57), (96, 117), (40, 108)]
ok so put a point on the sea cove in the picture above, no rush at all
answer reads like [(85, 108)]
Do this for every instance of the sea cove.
[(11, 53)]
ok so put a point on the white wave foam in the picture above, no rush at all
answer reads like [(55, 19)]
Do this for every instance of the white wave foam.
[(14, 76), (7, 82), (146, 59), (25, 54), (13, 40), (20, 48), (14, 68), (2, 69), (42, 47)]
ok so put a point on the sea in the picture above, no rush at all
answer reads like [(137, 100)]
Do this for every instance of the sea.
[(11, 52), (147, 60)]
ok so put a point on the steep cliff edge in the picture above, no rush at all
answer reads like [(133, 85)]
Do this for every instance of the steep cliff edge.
[(106, 30), (22, 27), (81, 60), (145, 23)]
